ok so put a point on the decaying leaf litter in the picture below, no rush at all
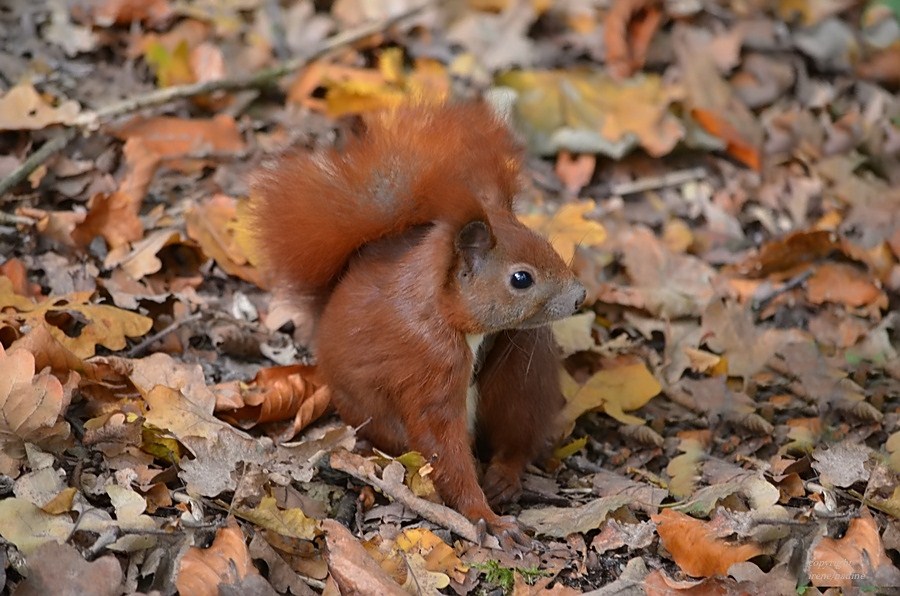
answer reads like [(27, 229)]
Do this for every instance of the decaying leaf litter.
[(722, 175)]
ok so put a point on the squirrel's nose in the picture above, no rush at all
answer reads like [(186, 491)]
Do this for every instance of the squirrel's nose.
[(579, 299)]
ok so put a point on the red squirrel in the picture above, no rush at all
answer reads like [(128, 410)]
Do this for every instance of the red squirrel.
[(432, 298)]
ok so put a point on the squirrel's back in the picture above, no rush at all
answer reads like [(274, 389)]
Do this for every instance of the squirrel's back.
[(413, 165)]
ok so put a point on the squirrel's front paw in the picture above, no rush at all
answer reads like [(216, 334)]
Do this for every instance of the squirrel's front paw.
[(502, 484), (509, 533)]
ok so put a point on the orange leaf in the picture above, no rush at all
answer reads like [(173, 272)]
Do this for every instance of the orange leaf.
[(736, 145), (227, 561), (695, 546), (281, 393)]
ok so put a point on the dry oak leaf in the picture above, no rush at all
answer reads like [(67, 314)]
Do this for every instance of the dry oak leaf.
[(277, 393), (856, 559), (214, 225), (559, 522), (575, 171), (712, 101), (22, 108), (31, 406), (617, 389), (696, 549), (568, 228), (291, 523), (845, 284), (173, 138), (103, 324), (354, 570), (60, 569), (573, 334), (227, 561), (664, 283), (589, 112)]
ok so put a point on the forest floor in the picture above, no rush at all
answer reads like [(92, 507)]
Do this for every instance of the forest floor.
[(723, 176)]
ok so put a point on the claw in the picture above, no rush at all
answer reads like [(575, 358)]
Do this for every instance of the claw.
[(509, 533)]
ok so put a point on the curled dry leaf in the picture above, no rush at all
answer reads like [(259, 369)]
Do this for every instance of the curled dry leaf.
[(227, 561), (31, 406), (627, 31), (213, 224), (696, 548), (276, 394), (856, 559)]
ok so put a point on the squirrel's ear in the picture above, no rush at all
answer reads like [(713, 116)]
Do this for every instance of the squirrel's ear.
[(473, 242)]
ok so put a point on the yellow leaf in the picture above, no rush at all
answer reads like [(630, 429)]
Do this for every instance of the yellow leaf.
[(616, 390), (570, 448), (568, 228), (291, 523)]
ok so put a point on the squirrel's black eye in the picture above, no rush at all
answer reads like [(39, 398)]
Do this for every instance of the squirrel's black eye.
[(521, 280)]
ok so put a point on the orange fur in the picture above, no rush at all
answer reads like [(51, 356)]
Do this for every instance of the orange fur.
[(408, 239)]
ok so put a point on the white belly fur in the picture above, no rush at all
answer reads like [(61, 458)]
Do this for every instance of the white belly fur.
[(474, 340)]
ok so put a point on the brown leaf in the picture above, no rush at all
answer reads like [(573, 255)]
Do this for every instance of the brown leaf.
[(844, 284), (712, 101), (213, 225), (281, 393), (171, 138), (351, 566), (60, 569), (227, 561), (575, 171), (840, 561), (31, 406), (21, 108), (695, 547), (628, 28)]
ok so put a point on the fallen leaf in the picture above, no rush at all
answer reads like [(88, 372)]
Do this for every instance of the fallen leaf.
[(573, 334), (856, 559), (227, 561), (213, 225), (22, 108), (695, 547), (616, 390), (60, 569), (355, 571), (31, 406), (568, 228), (291, 523), (28, 527), (559, 522), (589, 112)]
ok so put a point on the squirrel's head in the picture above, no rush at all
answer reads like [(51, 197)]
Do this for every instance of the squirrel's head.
[(509, 277)]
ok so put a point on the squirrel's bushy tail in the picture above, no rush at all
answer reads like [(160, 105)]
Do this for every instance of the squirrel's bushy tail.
[(311, 211)]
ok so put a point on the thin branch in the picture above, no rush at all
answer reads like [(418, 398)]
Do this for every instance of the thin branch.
[(91, 120), (139, 348), (656, 182), (54, 145), (257, 79)]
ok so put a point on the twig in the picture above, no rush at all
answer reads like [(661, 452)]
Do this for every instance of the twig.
[(139, 349), (363, 469), (52, 146), (795, 282), (258, 79), (91, 120), (15, 220), (656, 182)]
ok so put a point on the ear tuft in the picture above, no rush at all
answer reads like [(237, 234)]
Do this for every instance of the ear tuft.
[(473, 242)]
